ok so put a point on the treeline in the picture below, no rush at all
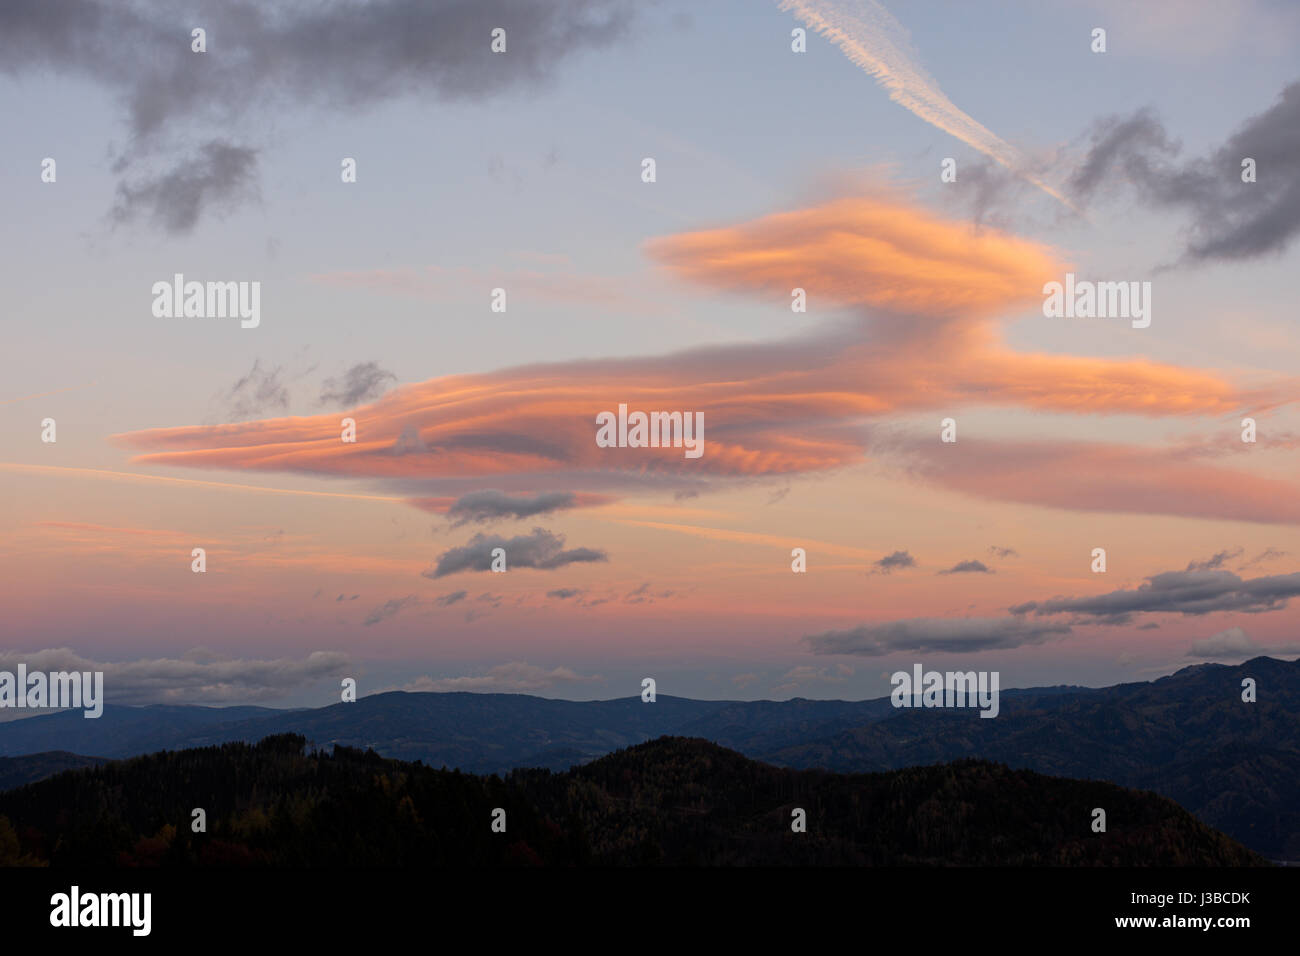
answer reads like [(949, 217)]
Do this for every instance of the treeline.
[(676, 801)]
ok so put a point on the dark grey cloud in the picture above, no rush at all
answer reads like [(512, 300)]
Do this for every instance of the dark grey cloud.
[(389, 609), (332, 54), (563, 594), (540, 549), (1214, 561), (217, 178), (891, 562), (1179, 592), (343, 598), (491, 505), (1229, 219), (935, 635), (969, 567), (447, 600), (362, 381), (261, 391)]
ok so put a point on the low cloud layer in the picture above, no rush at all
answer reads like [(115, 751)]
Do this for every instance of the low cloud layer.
[(514, 678), (1235, 644), (938, 635), (196, 678)]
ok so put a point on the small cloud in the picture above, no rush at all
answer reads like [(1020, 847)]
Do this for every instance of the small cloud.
[(1268, 554), (389, 609), (1215, 560), (563, 594), (1234, 642), (892, 562), (643, 595), (540, 550), (447, 600), (998, 552), (219, 176), (492, 505), (257, 393), (363, 381), (969, 567)]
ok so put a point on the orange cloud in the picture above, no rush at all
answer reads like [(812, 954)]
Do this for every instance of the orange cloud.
[(1095, 476), (872, 252), (928, 292)]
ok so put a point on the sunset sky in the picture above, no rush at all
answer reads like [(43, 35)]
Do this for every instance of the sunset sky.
[(523, 171)]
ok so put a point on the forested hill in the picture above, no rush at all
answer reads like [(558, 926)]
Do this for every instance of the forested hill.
[(673, 800)]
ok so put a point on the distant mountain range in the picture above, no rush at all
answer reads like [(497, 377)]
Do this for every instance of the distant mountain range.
[(1189, 736), (673, 801), (16, 771)]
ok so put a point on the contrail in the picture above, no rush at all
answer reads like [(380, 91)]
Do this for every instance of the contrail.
[(134, 476), (70, 388), (870, 37)]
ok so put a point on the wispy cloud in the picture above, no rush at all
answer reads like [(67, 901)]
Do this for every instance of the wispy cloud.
[(876, 42), (360, 383), (516, 677)]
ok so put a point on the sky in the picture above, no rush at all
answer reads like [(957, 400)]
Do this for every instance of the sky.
[(775, 169)]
